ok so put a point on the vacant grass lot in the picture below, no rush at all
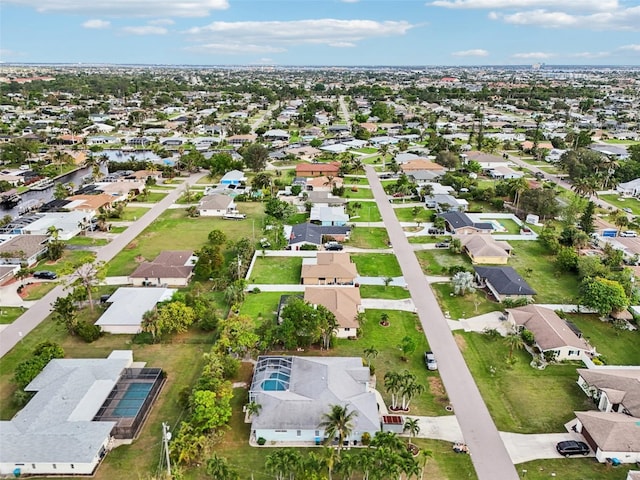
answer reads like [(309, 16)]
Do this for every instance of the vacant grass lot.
[(618, 201), (9, 314), (131, 214), (471, 305), (368, 213), (428, 238), (263, 306), (519, 397), (184, 233), (407, 214), (617, 347), (436, 262), (87, 241), (152, 197), (531, 260), (376, 264), (380, 291), (571, 469), (364, 237), (67, 264), (285, 270), (358, 192)]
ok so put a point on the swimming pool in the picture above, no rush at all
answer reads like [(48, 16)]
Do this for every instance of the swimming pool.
[(273, 385), (280, 376), (132, 400), (497, 226)]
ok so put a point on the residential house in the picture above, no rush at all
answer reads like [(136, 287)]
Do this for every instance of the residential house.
[(633, 475), (216, 205), (170, 267), (629, 189), (276, 135), (239, 140), (23, 249), (127, 306), (317, 169), (325, 199), (140, 141), (304, 153), (68, 224), (612, 389), (344, 302), (460, 223), (445, 203), (233, 177), (504, 173), (328, 268), (487, 161), (421, 164), (504, 283), (324, 184), (67, 427), (611, 435), (90, 204), (484, 249), (306, 388), (311, 234), (553, 336), (328, 216)]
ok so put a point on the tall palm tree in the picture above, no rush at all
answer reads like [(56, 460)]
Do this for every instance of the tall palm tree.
[(384, 151), (412, 426), (585, 187), (514, 342), (339, 422), (392, 383), (283, 462), (423, 459), (369, 353), (219, 469)]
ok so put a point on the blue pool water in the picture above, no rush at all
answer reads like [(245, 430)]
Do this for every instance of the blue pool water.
[(133, 398), (273, 385)]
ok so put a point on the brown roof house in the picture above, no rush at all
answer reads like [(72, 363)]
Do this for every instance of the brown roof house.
[(551, 333), (317, 169), (344, 302), (421, 164), (612, 389), (23, 249), (328, 268), (170, 268), (484, 249), (216, 205), (611, 435)]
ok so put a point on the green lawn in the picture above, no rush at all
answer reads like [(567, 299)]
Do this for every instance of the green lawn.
[(278, 270), (152, 197), (380, 291), (376, 264), (117, 229), (131, 214), (620, 202), (368, 213), (40, 290), (356, 180), (69, 261), (471, 305), (174, 230), (358, 193), (617, 347), (9, 314), (571, 469), (511, 227), (615, 141), (531, 260), (518, 397), (263, 306), (363, 237), (407, 214), (428, 238), (87, 241), (436, 262)]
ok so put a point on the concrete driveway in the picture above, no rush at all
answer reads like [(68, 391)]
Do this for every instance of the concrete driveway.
[(537, 446), (485, 322), (405, 305)]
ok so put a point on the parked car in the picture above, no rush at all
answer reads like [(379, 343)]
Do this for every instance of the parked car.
[(628, 233), (45, 274), (435, 231), (430, 361), (442, 245), (572, 447), (627, 210), (333, 246)]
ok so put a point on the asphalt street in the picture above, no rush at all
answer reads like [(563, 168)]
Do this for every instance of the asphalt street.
[(13, 333), (488, 452)]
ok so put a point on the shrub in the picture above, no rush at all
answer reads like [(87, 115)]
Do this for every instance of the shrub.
[(527, 337), (308, 246), (40, 357), (262, 441), (365, 439), (372, 370), (143, 338), (88, 332), (255, 290)]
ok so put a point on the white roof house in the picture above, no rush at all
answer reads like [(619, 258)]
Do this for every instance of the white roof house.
[(305, 388), (631, 189), (67, 222), (55, 434), (128, 305)]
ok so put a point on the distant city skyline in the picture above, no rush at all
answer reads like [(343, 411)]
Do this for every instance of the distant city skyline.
[(321, 32)]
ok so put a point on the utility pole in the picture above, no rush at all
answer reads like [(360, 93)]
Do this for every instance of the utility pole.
[(166, 436)]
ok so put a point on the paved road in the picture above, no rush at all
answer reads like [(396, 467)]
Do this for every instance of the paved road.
[(345, 110), (41, 309), (489, 455)]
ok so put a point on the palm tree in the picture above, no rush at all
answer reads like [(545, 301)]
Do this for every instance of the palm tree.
[(514, 342), (518, 186), (384, 151), (369, 353), (283, 462), (585, 187), (253, 408), (392, 383), (357, 165), (339, 422), (219, 469), (412, 426), (348, 465), (621, 221), (425, 455), (409, 388)]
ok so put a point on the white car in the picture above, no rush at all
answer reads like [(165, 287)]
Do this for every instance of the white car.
[(628, 233)]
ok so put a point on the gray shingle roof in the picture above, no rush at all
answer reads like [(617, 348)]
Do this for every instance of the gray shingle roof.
[(505, 280)]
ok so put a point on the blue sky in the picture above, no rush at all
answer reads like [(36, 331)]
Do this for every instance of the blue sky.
[(322, 32)]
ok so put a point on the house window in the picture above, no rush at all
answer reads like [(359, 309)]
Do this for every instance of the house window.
[(72, 466), (54, 466), (317, 433), (33, 466), (299, 433), (281, 431), (347, 329)]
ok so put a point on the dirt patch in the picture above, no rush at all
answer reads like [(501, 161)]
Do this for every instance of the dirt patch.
[(436, 387), (131, 246), (24, 292), (139, 259), (461, 342)]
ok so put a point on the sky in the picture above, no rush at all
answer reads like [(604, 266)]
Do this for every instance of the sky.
[(321, 32)]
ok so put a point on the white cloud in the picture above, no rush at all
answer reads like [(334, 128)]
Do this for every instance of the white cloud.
[(632, 48), (590, 55), (533, 55), (96, 24), (591, 5), (233, 49), (620, 19), (145, 30), (126, 8), (316, 32), (476, 52), (161, 21)]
